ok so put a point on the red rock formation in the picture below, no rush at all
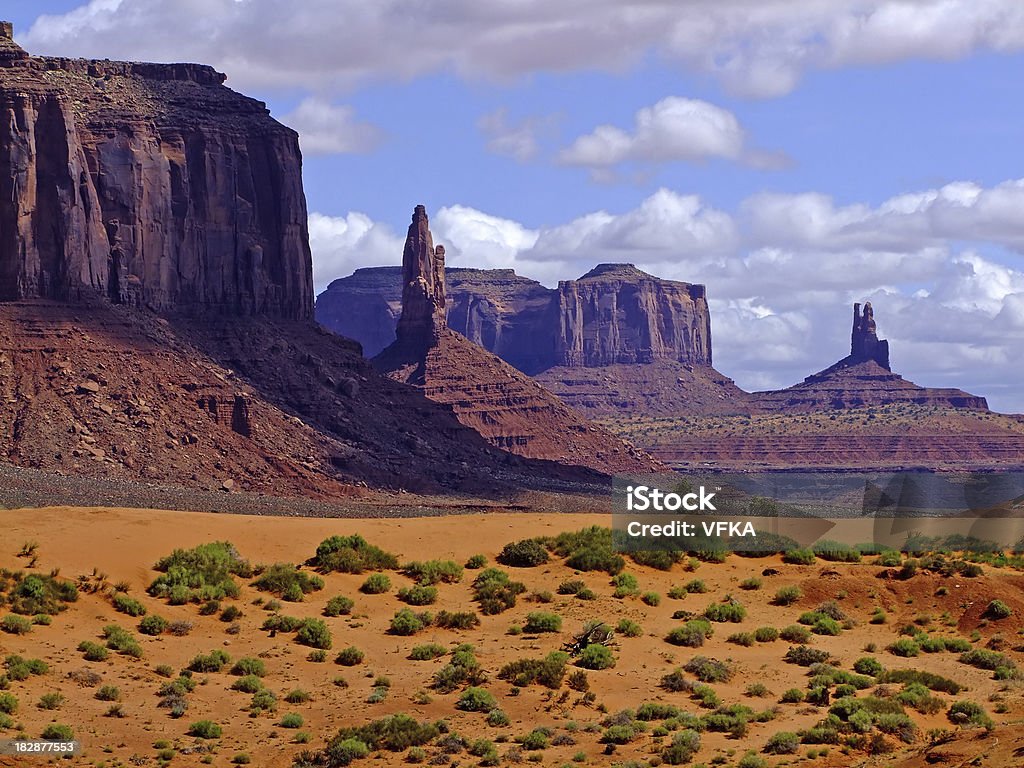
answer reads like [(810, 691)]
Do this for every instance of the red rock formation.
[(423, 294), (862, 378), (505, 406), (614, 314), (151, 183)]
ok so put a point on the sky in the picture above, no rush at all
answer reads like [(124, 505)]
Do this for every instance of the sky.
[(793, 155)]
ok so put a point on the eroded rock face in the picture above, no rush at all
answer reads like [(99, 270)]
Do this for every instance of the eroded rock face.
[(615, 314), (864, 342), (153, 184), (618, 314), (423, 293)]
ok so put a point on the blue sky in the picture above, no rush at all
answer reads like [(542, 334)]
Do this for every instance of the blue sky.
[(794, 155)]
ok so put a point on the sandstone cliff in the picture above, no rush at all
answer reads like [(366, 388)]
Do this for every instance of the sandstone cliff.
[(509, 409), (153, 184), (614, 314)]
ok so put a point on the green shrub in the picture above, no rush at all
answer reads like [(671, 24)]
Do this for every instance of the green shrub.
[(51, 701), (792, 696), (986, 659), (462, 669), (751, 584), (928, 679), (652, 599), (692, 634), (297, 696), (787, 595), (456, 620), (315, 634), (122, 641), (8, 703), (629, 628), (15, 625), (548, 671), (625, 585), (746, 639), (214, 661), (108, 693), (349, 657), (571, 587), (596, 656), (292, 720), (406, 623), (794, 633), (339, 605), (905, 647), (836, 551), (93, 651), (199, 574), (128, 605), (476, 562), (249, 666), (725, 612), (766, 634), (684, 746), (418, 595), (427, 652), (708, 670), (968, 713), (288, 582), (590, 549), (889, 559), (57, 732), (31, 594), (376, 584), (805, 656), (695, 587), (782, 743), (997, 609), (341, 752), (352, 554), (799, 557), (153, 625), (527, 553), (205, 729), (752, 760), (395, 733), (539, 621), (247, 684), (434, 572), (868, 665), (476, 699), (497, 719), (495, 591)]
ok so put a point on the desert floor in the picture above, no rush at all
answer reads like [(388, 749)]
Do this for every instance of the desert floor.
[(101, 548)]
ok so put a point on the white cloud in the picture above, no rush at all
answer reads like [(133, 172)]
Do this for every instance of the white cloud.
[(330, 129), (674, 129), (342, 244), (758, 48), (517, 140)]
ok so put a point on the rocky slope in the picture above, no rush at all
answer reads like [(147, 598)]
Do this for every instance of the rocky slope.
[(504, 405), (152, 184)]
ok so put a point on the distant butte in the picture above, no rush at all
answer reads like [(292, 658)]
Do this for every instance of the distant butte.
[(862, 378)]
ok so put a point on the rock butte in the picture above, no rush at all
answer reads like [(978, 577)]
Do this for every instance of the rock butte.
[(156, 303), (152, 184), (495, 399)]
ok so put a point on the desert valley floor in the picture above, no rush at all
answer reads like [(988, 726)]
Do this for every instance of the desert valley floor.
[(632, 711)]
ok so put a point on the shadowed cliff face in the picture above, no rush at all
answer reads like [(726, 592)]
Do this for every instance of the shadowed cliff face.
[(153, 184), (615, 314)]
